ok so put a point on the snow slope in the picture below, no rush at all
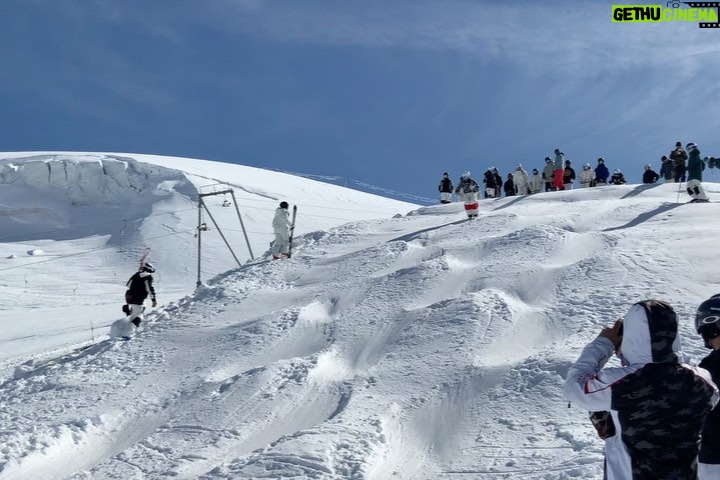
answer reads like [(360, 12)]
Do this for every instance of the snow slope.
[(74, 226), (418, 347)]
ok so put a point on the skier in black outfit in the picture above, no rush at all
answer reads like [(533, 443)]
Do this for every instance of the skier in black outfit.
[(706, 324), (490, 181), (650, 176), (139, 286), (617, 177), (679, 157), (445, 188), (509, 186)]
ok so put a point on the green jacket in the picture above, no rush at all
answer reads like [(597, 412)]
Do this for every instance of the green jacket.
[(695, 166)]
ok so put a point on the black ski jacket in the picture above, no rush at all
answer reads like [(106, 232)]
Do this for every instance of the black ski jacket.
[(710, 443), (490, 180), (445, 186), (650, 176), (140, 286)]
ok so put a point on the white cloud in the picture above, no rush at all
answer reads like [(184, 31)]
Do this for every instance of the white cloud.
[(565, 36)]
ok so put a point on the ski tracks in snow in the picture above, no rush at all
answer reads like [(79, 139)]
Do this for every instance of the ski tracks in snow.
[(387, 358)]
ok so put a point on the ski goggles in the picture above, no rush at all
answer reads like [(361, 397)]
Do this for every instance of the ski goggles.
[(709, 331)]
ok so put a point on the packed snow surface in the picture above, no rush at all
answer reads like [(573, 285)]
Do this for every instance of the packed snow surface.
[(412, 346)]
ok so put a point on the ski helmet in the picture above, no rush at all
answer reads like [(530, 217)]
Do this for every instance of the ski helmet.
[(548, 160), (617, 170), (586, 166), (601, 160), (148, 267), (648, 166), (446, 174), (465, 174), (690, 146), (284, 205), (678, 144), (707, 319)]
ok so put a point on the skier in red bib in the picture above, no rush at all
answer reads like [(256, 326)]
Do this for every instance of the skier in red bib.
[(468, 189)]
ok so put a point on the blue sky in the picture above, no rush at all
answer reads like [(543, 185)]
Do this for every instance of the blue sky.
[(391, 93)]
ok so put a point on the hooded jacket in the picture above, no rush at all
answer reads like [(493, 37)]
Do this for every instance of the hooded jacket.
[(521, 180), (657, 403), (281, 222)]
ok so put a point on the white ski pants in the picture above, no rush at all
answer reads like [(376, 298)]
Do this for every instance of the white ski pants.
[(695, 190), (281, 244), (136, 311)]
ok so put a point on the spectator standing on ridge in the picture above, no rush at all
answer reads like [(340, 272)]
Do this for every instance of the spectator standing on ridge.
[(522, 180), (468, 189), (649, 175), (568, 176), (498, 182), (587, 176), (694, 170), (490, 183), (547, 174), (617, 177), (707, 326), (656, 403), (559, 170), (140, 285), (666, 170), (281, 228), (445, 188), (601, 172), (536, 182), (679, 157), (509, 186)]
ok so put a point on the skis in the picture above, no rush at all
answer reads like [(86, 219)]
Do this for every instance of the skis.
[(292, 231), (143, 258)]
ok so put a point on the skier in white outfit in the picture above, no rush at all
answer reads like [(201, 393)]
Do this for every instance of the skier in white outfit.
[(587, 176), (536, 182), (281, 227), (521, 180)]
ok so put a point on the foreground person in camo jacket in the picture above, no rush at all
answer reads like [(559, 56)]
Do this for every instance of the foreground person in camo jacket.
[(657, 404)]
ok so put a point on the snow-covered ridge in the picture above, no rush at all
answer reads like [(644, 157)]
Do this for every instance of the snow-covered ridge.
[(87, 179)]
